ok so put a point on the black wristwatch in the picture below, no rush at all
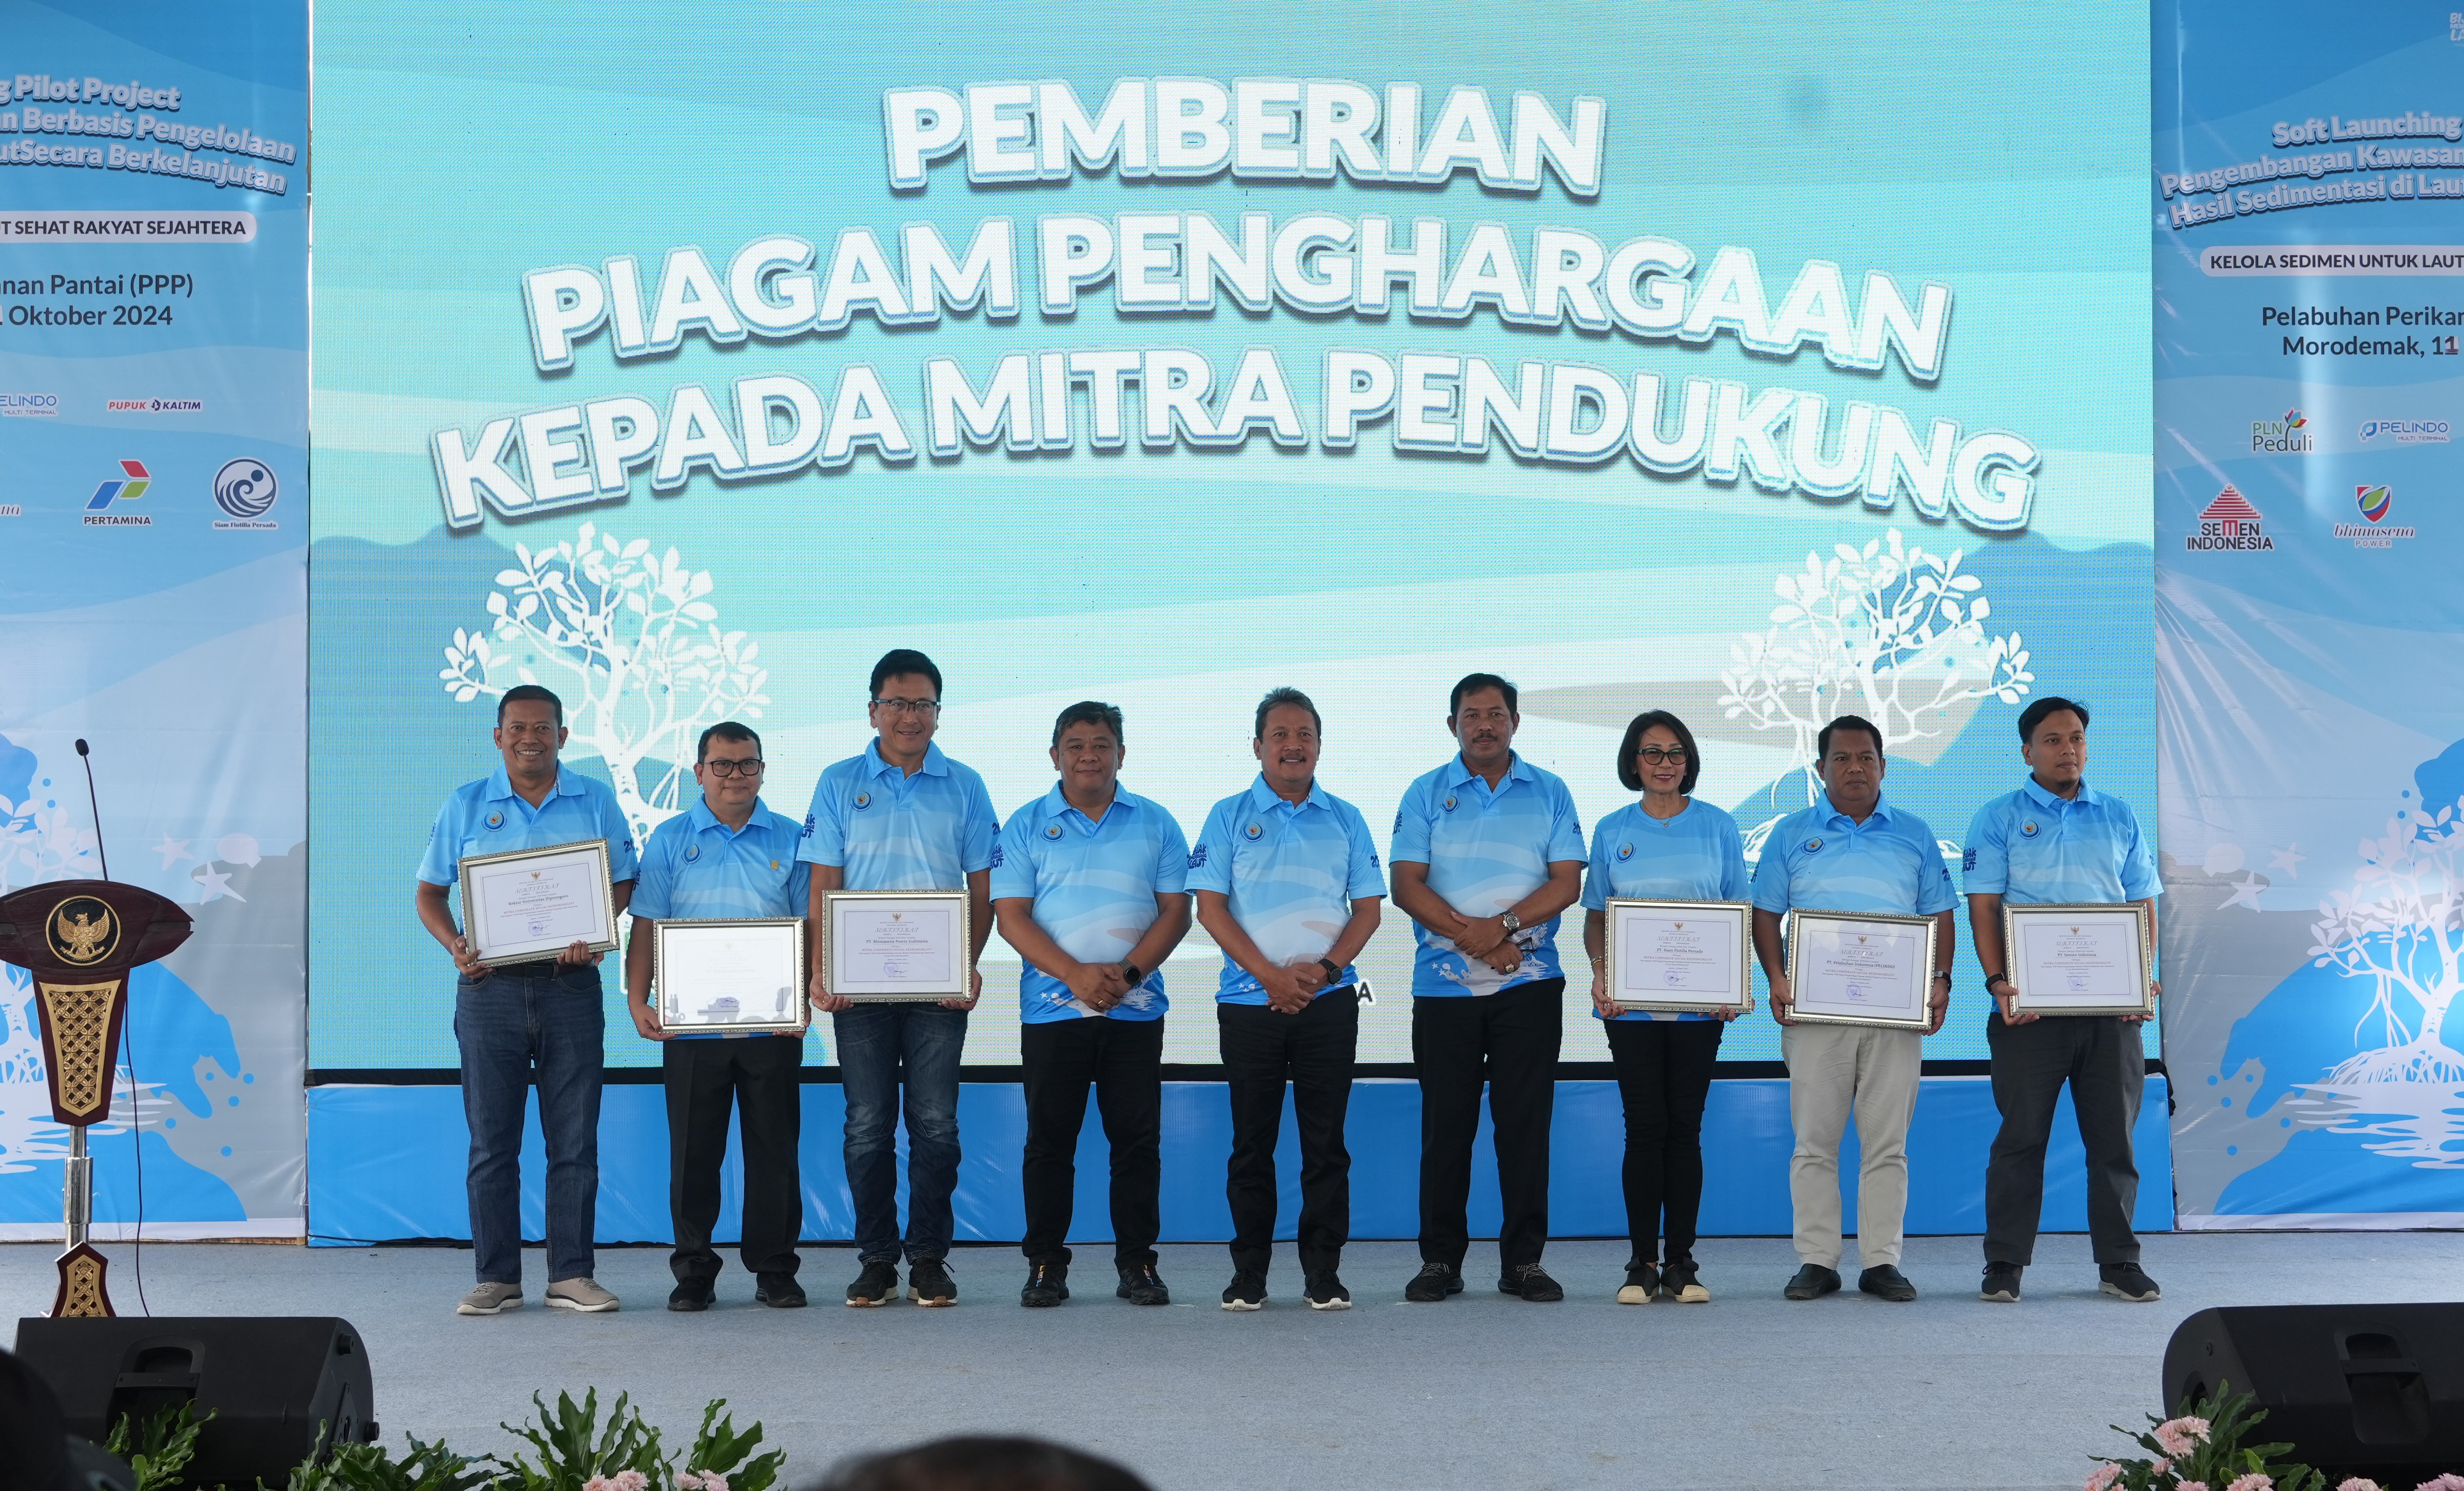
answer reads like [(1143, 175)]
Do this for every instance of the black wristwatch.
[(1991, 979), (1131, 972), (1944, 973), (1334, 970)]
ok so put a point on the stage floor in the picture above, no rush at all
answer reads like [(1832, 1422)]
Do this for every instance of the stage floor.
[(1480, 1392)]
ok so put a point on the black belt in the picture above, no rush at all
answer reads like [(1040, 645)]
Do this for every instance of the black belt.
[(538, 968)]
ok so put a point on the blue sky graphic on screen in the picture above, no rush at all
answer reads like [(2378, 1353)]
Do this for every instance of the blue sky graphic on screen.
[(1164, 369)]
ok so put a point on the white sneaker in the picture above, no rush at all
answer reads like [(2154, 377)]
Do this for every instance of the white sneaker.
[(491, 1299), (582, 1294)]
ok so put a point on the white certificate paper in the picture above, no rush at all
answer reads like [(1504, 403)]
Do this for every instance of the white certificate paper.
[(1854, 970), (535, 903), (1676, 955), (2078, 959), (720, 976), (896, 944)]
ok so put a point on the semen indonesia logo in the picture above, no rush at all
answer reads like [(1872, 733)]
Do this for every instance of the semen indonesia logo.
[(2374, 503), (2228, 522)]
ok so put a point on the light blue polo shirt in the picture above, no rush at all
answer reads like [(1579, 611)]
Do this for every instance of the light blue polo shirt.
[(1094, 885), (695, 866), (885, 830), (2034, 847), (1291, 873), (1486, 851), (1822, 860), (1696, 856), (488, 817)]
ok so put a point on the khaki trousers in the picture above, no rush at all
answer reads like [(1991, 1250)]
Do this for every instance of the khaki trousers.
[(1835, 1070)]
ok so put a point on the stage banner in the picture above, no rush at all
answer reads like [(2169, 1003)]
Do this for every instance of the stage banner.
[(2309, 255), (153, 535), (684, 358)]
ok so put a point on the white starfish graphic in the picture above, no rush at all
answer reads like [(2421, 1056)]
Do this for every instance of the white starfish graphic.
[(174, 850), (2287, 859), (2245, 892), (215, 885)]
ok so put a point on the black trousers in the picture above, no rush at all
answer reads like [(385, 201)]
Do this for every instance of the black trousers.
[(1123, 1061), (1509, 1042), (758, 1075), (1664, 1072), (2101, 1058), (1312, 1050)]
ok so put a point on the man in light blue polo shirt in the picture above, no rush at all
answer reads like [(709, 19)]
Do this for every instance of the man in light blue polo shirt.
[(1487, 851), (2056, 841), (901, 817), (547, 1012), (1850, 852), (1287, 884), (727, 857), (1088, 882)]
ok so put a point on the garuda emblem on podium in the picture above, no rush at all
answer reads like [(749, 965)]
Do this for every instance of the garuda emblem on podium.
[(83, 930)]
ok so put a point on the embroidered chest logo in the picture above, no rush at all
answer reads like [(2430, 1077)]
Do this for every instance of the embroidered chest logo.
[(1052, 830), (2027, 829), (496, 820), (863, 801), (1812, 845), (1449, 804), (1253, 830), (1625, 851), (692, 851)]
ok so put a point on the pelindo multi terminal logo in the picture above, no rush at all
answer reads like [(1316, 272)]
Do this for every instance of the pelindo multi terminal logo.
[(245, 488), (2405, 431), (2287, 436), (30, 406), (2375, 503), (128, 487), (2229, 523)]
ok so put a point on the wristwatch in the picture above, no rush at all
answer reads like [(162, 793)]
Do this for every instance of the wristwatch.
[(1991, 979), (1334, 970), (1944, 973), (1512, 923), (1129, 971)]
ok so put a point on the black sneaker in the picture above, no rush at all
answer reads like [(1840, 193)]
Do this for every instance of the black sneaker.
[(1811, 1283), (1324, 1291), (1530, 1282), (687, 1298), (1641, 1282), (2127, 1282), (1433, 1282), (1047, 1284), (1680, 1283), (1886, 1283), (781, 1291), (929, 1282), (875, 1285), (2001, 1283), (1247, 1291), (1141, 1284)]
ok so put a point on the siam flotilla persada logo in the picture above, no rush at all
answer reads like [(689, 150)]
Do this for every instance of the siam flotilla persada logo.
[(128, 487), (2375, 503), (2228, 522), (245, 490), (2405, 431), (2287, 436)]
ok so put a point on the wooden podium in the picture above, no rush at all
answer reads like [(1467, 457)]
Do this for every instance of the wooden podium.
[(81, 939)]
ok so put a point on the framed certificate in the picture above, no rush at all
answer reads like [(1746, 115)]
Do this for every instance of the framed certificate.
[(893, 945), (530, 903), (1680, 956), (2078, 959), (730, 977), (1856, 968)]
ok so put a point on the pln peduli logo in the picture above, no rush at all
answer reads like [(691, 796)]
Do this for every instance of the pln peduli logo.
[(2228, 522), (129, 486), (245, 490), (2287, 436)]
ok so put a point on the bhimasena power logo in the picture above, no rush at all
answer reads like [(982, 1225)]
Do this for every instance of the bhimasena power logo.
[(2228, 522), (2375, 502), (128, 487)]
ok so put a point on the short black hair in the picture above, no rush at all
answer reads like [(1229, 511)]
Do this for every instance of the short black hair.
[(2035, 715), (530, 693), (724, 730), (1632, 778), (982, 1462), (1090, 711), (903, 660), (1474, 683), (1822, 741), (1275, 699)]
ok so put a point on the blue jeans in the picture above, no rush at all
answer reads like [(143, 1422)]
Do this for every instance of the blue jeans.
[(877, 1044), (506, 1022)]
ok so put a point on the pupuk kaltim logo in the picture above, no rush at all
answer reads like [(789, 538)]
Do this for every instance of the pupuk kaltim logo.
[(2375, 503), (2229, 523), (128, 487), (2287, 436)]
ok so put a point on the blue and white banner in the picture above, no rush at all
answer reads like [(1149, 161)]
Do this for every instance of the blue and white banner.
[(153, 533), (2308, 203)]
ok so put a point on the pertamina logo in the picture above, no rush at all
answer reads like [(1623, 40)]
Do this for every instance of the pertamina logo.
[(2229, 523), (127, 488), (2374, 503), (2287, 436)]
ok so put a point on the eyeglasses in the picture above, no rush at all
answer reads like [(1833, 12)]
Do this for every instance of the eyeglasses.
[(922, 707), (1654, 755), (749, 767)]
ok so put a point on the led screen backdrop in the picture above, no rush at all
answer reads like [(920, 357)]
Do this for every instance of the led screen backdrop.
[(687, 358)]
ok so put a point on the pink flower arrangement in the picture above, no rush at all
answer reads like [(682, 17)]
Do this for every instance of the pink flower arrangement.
[(2255, 1481), (622, 1481), (2180, 1435), (2105, 1475), (700, 1480)]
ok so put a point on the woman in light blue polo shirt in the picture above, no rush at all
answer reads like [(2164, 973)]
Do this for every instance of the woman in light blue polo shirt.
[(1667, 846)]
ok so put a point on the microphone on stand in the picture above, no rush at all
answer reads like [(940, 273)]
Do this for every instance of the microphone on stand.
[(87, 757), (80, 1225)]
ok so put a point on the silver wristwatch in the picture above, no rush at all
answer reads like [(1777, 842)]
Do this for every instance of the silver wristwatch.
[(1512, 923)]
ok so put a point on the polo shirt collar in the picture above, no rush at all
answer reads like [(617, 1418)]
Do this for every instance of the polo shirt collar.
[(500, 784), (703, 820), (935, 764), (2055, 802), (1055, 804), (1833, 814), (1515, 770), (1263, 797)]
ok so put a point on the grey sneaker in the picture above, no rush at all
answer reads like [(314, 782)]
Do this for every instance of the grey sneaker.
[(582, 1294), (491, 1299)]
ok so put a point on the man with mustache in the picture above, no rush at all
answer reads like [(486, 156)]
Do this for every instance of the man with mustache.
[(1487, 850)]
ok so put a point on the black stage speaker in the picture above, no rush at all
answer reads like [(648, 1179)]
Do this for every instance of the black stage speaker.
[(2358, 1390), (280, 1388)]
